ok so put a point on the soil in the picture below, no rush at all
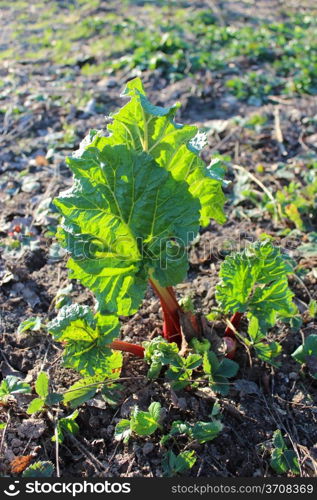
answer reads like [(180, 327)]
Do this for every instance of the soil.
[(262, 398)]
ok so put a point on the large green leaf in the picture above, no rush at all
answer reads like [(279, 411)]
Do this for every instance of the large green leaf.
[(144, 127), (123, 218), (87, 339), (255, 281)]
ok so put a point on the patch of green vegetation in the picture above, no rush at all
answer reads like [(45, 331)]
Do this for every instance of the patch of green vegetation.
[(175, 40), (95, 69), (297, 201), (7, 54), (254, 87)]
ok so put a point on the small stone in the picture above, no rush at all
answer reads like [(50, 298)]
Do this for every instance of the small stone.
[(292, 376), (147, 448), (9, 455), (111, 84), (154, 307)]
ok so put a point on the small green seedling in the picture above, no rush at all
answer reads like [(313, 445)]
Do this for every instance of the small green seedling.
[(142, 423), (200, 431), (159, 353), (175, 464), (66, 425), (45, 397), (30, 324), (306, 354), (297, 201), (283, 460), (181, 369), (12, 385), (39, 469), (219, 371)]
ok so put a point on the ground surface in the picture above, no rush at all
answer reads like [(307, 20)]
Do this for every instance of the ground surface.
[(62, 70)]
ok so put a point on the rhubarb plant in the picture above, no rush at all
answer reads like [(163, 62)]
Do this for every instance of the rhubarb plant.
[(254, 284), (138, 198)]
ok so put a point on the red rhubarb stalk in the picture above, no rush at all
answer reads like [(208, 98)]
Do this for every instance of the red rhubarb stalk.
[(171, 309), (120, 345), (172, 327)]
